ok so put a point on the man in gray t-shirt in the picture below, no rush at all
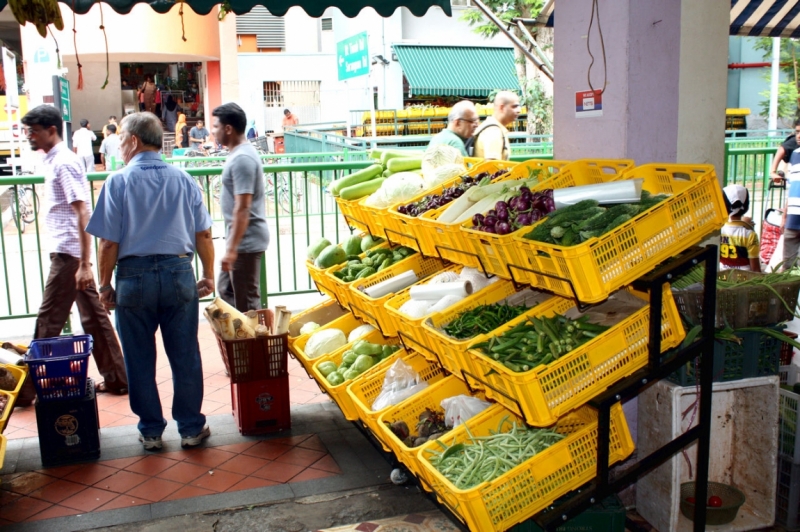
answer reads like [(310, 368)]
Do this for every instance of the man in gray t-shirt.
[(244, 210)]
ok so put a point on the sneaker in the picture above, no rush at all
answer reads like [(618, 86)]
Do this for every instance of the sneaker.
[(194, 441), (150, 443)]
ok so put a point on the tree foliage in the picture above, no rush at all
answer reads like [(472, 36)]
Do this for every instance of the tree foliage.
[(788, 97), (505, 11)]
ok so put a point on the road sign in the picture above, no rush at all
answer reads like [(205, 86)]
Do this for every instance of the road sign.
[(66, 111), (352, 57)]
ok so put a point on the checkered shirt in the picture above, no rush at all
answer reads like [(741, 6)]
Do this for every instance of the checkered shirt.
[(65, 182)]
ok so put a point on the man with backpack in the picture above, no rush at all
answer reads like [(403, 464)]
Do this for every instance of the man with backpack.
[(491, 138)]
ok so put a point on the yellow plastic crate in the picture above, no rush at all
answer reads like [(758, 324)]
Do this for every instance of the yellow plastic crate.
[(321, 314), (592, 270), (346, 323), (410, 329), (339, 393), (447, 240), (324, 283), (19, 373), (3, 444), (355, 217), (365, 390), (371, 309), (547, 392), (536, 483), (402, 228), (340, 288), (7, 411), (452, 353), (409, 411), (496, 252)]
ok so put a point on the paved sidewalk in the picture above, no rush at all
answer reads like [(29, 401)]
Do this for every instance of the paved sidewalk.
[(322, 453), (115, 411)]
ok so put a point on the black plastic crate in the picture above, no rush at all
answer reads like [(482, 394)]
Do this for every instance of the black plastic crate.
[(607, 516), (69, 430), (787, 497), (757, 356)]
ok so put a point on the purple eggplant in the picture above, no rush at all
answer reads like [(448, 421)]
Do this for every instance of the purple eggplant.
[(491, 212), (524, 219), (490, 221), (477, 220), (502, 228)]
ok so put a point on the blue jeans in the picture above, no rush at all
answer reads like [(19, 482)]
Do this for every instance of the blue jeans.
[(152, 292)]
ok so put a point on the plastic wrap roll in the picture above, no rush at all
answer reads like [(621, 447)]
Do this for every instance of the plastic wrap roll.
[(438, 291), (390, 286), (445, 303), (10, 357), (626, 191)]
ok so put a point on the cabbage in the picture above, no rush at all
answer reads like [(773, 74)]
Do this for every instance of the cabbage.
[(324, 342), (359, 331), (443, 173), (440, 155), (309, 327), (398, 187)]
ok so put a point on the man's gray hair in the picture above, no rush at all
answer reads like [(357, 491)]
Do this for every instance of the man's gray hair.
[(457, 111), (146, 126)]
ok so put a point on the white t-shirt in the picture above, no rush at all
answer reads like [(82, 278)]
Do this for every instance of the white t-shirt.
[(82, 140)]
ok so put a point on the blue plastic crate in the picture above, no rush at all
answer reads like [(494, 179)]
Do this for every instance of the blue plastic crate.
[(58, 366)]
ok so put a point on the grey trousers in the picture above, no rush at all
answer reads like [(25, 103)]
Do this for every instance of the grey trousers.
[(240, 287)]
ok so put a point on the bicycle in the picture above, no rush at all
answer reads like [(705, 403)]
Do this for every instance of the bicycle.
[(24, 205)]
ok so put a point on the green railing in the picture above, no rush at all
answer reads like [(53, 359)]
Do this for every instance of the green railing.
[(298, 211), (749, 167)]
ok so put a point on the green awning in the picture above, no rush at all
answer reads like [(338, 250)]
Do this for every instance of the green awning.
[(457, 70), (314, 8)]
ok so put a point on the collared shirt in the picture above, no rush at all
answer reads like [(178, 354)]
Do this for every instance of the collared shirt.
[(150, 208), (82, 140), (65, 183), (448, 138), (110, 148)]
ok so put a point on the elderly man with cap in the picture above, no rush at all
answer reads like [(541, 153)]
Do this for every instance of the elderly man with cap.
[(461, 124), (150, 219)]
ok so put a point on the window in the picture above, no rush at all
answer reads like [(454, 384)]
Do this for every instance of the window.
[(272, 94), (291, 93), (327, 24), (270, 31)]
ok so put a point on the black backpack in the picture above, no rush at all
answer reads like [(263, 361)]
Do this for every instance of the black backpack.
[(469, 145)]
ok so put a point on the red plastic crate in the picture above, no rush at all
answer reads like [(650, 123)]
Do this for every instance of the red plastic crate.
[(261, 407), (787, 350)]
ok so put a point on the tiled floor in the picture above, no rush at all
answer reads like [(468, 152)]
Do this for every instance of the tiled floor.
[(167, 476), (115, 410)]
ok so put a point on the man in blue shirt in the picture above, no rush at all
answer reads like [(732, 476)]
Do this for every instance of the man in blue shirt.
[(151, 219), (791, 212)]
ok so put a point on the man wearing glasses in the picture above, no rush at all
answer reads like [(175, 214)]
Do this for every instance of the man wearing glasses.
[(461, 125)]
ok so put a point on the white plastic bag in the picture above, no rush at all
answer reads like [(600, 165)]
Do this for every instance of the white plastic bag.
[(460, 408), (777, 256), (400, 382)]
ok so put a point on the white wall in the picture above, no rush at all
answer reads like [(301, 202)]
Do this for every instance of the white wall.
[(93, 103), (302, 32), (256, 68), (437, 28)]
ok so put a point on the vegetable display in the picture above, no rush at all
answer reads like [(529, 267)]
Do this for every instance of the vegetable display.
[(482, 320), (355, 361), (524, 208), (539, 341), (374, 261), (480, 199), (431, 426), (434, 201), (326, 255), (324, 342), (586, 219), (485, 458)]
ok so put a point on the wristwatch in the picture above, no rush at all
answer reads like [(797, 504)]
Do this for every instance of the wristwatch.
[(105, 288)]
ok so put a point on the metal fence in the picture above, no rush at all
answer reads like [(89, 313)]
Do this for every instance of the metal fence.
[(298, 211), (749, 167)]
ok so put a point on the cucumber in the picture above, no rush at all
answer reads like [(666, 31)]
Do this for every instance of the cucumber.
[(362, 189), (386, 173), (404, 164), (387, 155), (355, 178)]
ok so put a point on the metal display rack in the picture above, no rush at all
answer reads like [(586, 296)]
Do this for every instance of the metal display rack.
[(658, 367)]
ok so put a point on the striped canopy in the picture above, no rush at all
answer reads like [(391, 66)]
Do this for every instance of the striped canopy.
[(754, 18)]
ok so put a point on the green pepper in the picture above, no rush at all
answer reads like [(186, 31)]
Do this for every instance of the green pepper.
[(362, 347), (385, 264), (335, 378)]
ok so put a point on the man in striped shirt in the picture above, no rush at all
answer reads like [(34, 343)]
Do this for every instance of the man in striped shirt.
[(791, 212), (67, 211)]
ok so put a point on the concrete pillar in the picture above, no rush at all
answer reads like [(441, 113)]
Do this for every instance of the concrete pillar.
[(666, 80), (228, 59)]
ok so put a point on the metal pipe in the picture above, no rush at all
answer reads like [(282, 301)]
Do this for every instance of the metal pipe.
[(513, 38), (524, 29)]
